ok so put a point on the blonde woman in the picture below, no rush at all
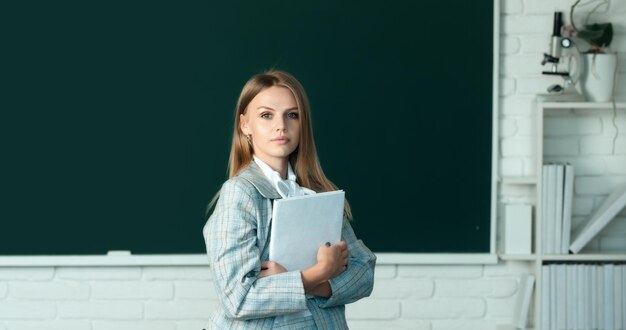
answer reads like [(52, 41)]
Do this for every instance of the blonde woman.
[(273, 156)]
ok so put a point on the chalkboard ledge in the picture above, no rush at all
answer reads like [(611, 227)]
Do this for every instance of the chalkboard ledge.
[(436, 258), (201, 260)]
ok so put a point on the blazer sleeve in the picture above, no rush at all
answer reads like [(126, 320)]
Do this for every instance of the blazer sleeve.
[(358, 280), (234, 257)]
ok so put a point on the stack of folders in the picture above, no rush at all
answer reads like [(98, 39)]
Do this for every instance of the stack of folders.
[(557, 193), (577, 296)]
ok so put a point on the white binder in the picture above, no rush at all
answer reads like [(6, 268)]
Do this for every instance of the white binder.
[(300, 225)]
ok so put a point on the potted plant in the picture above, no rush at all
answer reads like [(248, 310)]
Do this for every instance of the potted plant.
[(598, 79)]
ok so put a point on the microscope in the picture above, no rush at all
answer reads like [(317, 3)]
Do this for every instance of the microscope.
[(562, 53)]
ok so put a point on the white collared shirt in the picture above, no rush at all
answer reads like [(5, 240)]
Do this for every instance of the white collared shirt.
[(286, 188)]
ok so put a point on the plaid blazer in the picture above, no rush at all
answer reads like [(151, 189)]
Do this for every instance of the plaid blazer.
[(237, 238)]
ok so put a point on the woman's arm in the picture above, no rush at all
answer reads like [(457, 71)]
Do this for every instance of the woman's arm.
[(331, 262), (323, 290), (357, 281), (230, 237)]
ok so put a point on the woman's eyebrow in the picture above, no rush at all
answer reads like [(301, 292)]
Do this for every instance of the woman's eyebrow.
[(272, 109)]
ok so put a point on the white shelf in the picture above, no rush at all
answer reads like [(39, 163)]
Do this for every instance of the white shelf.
[(583, 105), (520, 257), (518, 180), (584, 257), (537, 259)]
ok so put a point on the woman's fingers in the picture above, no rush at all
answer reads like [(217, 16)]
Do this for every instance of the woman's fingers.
[(344, 254), (270, 268), (335, 257)]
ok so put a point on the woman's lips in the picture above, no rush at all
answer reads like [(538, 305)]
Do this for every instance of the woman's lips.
[(281, 140)]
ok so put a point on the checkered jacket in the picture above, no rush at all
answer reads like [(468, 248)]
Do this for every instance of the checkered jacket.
[(237, 240)]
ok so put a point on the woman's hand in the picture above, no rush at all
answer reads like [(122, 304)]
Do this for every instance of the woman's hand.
[(333, 258), (270, 268)]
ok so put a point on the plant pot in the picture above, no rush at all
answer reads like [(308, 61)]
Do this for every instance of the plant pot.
[(599, 77)]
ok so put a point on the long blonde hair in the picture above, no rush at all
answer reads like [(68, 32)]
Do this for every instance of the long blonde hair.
[(304, 159)]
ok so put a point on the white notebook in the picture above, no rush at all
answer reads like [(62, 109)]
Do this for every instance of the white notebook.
[(611, 206), (300, 225), (522, 304)]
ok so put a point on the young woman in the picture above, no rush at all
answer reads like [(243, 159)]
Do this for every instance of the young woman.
[(273, 156)]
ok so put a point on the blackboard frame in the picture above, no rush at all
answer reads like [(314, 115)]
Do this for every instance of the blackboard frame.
[(390, 258)]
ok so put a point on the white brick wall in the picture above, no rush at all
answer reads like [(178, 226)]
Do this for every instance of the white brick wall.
[(97, 309), (405, 297)]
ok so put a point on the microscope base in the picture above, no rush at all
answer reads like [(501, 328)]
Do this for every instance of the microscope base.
[(564, 96)]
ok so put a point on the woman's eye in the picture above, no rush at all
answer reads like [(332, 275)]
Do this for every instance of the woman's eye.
[(293, 115), (266, 115)]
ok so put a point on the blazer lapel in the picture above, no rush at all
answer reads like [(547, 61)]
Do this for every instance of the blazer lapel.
[(254, 175)]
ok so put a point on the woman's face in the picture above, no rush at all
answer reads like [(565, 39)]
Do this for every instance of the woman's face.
[(272, 118)]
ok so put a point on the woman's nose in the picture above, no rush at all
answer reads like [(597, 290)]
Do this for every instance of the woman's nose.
[(281, 124)]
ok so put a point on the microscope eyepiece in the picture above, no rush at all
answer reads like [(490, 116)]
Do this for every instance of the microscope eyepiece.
[(558, 23)]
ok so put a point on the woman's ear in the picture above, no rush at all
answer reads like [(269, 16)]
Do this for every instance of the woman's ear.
[(243, 124)]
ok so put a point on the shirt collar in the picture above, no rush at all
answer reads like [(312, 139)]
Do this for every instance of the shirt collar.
[(285, 188), (270, 173)]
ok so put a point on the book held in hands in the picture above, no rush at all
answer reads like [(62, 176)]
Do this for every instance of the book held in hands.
[(300, 225)]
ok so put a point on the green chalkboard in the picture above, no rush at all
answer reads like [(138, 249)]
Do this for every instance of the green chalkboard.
[(117, 117)]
